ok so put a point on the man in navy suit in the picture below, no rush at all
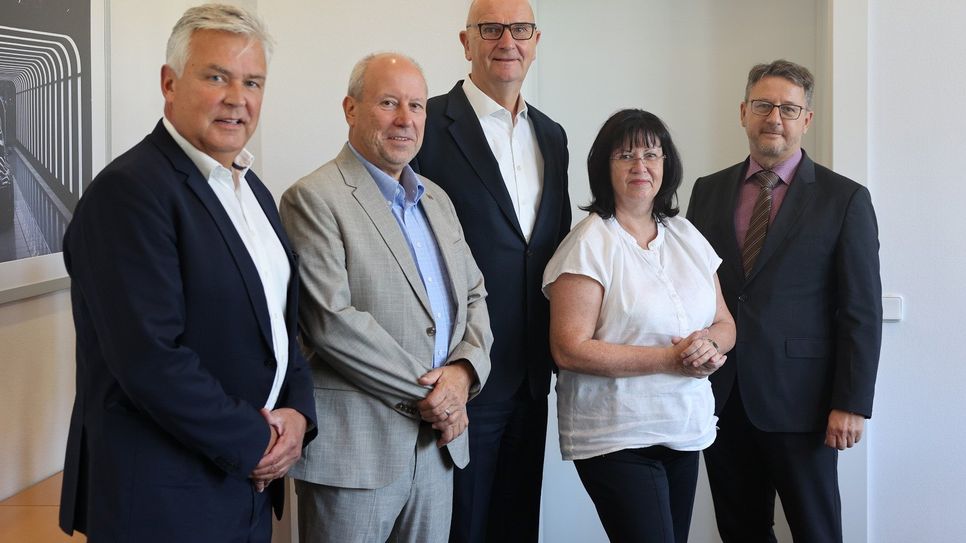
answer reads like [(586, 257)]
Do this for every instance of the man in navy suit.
[(192, 399), (798, 385), (504, 165)]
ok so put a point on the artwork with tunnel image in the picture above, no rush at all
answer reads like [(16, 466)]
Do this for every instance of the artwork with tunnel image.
[(45, 121)]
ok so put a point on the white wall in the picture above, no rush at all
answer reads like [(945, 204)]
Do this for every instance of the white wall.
[(917, 476), (36, 390)]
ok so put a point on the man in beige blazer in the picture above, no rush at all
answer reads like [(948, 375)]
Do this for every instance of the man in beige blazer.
[(394, 318)]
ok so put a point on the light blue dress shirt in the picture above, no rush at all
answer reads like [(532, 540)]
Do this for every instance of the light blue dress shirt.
[(402, 199)]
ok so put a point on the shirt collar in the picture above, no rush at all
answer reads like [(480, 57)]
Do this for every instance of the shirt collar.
[(785, 169), (406, 192), (484, 106), (205, 164)]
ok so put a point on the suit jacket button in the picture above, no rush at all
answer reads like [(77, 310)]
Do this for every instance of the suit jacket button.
[(431, 331), (742, 298)]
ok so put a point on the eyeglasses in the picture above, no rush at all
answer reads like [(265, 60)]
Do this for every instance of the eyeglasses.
[(494, 31), (649, 158), (789, 112)]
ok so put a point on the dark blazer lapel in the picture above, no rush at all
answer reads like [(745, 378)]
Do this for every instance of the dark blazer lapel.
[(374, 204), (726, 220), (267, 203), (469, 138), (550, 163), (796, 201), (199, 185)]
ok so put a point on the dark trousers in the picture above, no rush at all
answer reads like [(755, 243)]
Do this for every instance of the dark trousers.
[(497, 496), (642, 495), (746, 467), (261, 522)]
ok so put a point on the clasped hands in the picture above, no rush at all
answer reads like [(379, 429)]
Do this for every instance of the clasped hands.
[(445, 405), (284, 447), (697, 355)]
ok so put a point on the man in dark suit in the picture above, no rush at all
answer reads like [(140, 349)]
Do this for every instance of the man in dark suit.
[(191, 397), (504, 165), (801, 277)]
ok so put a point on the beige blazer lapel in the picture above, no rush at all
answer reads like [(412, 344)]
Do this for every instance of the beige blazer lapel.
[(452, 256), (374, 204)]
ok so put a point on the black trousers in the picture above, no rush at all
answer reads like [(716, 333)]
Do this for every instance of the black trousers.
[(497, 496), (642, 495), (746, 467)]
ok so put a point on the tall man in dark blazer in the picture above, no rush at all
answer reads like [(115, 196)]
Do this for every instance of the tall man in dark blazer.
[(801, 277), (192, 398), (504, 165)]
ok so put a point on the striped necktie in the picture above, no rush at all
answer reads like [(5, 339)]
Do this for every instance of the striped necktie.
[(758, 226)]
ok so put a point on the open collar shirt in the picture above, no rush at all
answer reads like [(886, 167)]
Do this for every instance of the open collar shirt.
[(260, 239), (514, 145), (403, 201)]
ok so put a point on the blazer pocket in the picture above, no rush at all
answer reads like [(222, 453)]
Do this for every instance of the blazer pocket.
[(808, 348)]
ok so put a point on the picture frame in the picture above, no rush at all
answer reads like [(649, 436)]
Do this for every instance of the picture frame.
[(34, 47)]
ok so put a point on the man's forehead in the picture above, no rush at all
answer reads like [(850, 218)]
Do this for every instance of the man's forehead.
[(495, 11), (777, 82), (388, 79), (215, 42)]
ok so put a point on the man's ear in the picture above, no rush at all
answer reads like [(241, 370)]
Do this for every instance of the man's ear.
[(349, 108), (168, 81), (465, 40)]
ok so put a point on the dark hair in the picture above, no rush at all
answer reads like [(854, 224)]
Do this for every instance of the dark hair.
[(624, 129), (796, 73)]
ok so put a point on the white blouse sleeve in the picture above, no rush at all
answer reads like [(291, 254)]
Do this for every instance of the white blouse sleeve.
[(583, 252), (697, 242)]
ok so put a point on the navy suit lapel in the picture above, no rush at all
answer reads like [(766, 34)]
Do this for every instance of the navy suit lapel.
[(550, 176), (243, 261), (267, 203), (469, 138), (796, 201)]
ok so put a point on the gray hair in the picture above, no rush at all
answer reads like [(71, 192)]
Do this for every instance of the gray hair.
[(221, 17), (796, 73), (358, 75)]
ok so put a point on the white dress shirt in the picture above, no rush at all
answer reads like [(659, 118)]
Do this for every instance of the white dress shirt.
[(650, 296), (259, 238), (514, 145)]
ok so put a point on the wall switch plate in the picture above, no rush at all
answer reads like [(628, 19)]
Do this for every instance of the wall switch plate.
[(891, 308)]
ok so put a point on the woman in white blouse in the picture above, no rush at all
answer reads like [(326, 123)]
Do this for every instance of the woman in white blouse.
[(637, 323)]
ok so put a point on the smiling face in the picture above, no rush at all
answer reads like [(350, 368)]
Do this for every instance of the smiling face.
[(386, 123), (636, 182), (771, 138), (215, 102), (503, 62)]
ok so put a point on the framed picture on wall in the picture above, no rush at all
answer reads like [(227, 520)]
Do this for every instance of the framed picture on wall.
[(52, 133)]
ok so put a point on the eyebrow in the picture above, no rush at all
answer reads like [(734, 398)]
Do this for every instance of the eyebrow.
[(623, 148), (225, 71)]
